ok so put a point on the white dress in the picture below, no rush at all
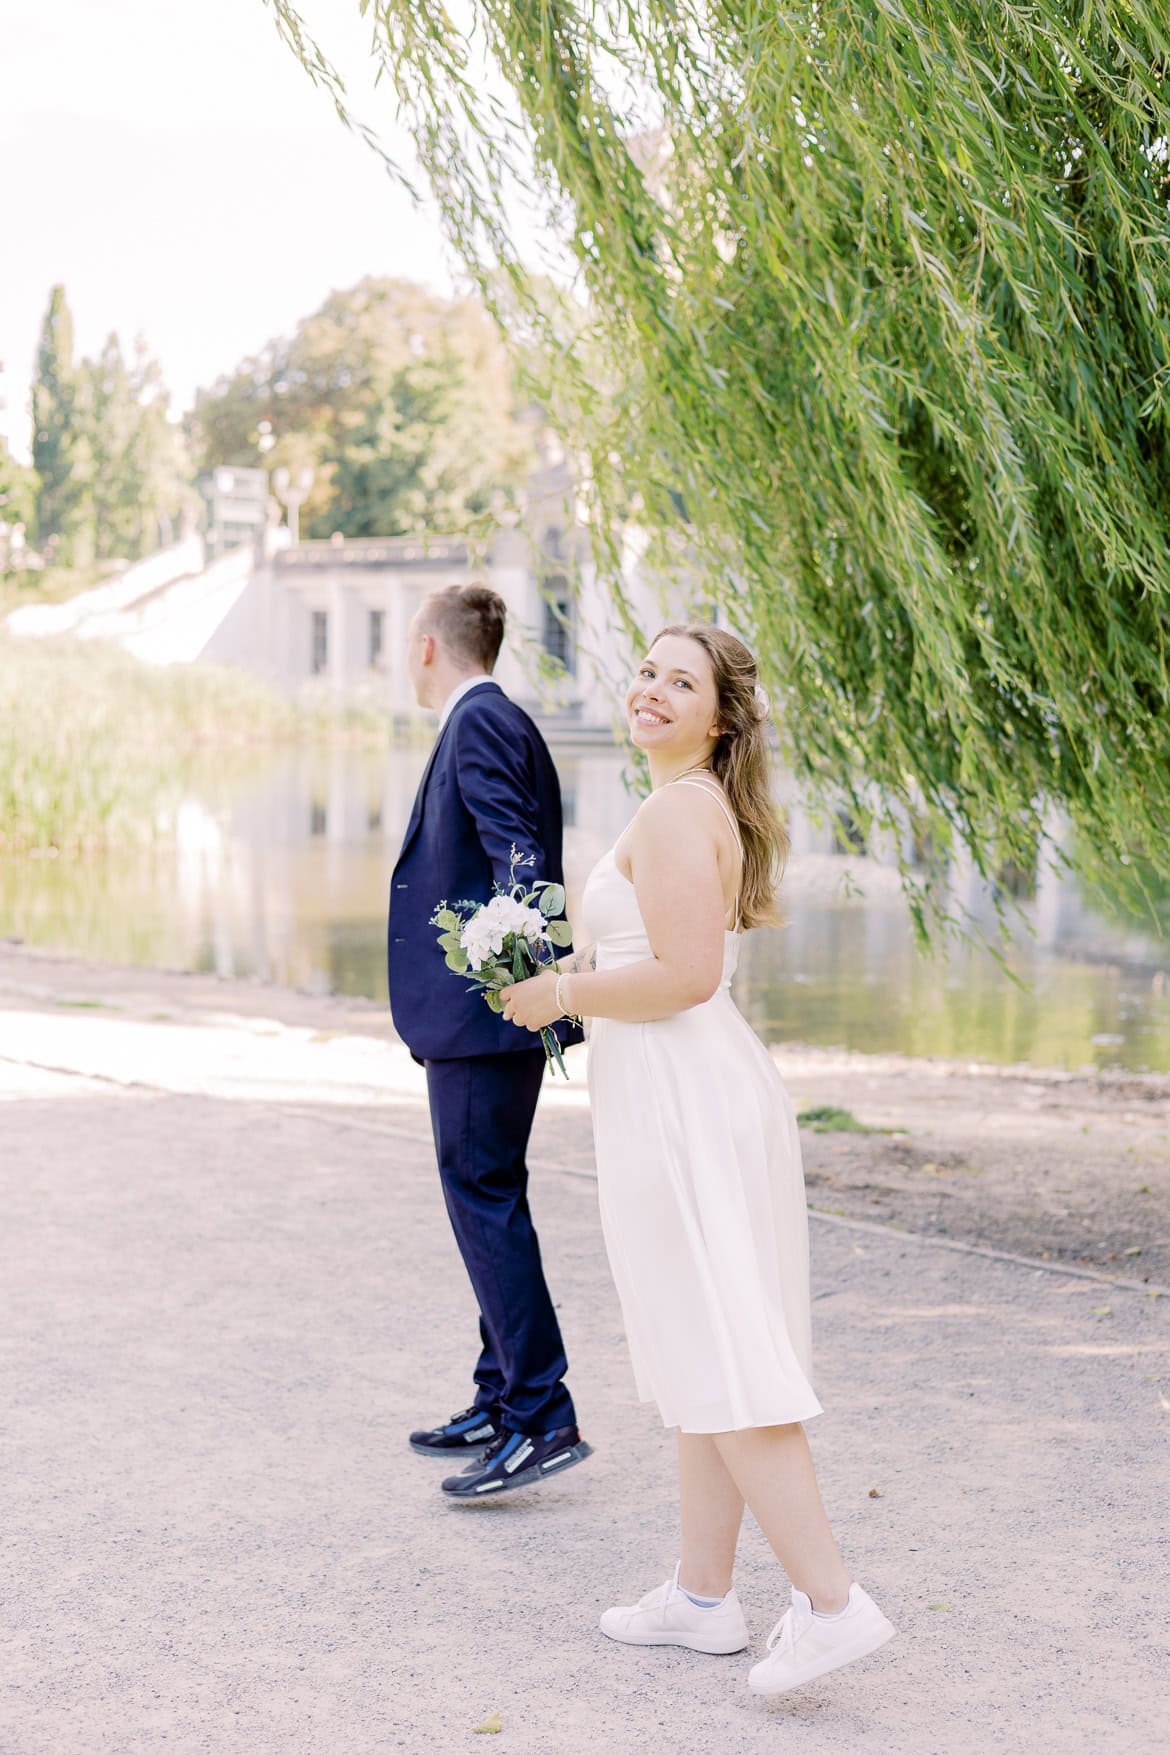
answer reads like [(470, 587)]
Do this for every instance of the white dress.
[(701, 1193)]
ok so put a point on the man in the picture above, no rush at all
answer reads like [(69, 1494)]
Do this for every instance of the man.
[(489, 786)]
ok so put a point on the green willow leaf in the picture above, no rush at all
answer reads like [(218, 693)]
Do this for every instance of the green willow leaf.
[(867, 348)]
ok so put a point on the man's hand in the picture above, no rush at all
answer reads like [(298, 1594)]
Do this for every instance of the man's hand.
[(532, 1004)]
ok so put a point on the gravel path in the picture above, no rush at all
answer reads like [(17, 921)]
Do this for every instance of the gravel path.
[(229, 1290)]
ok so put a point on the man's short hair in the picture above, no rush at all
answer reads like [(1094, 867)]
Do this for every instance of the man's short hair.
[(467, 621)]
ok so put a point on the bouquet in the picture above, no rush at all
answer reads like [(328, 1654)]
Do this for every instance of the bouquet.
[(507, 939)]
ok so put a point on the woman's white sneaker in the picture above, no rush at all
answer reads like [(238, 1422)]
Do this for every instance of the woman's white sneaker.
[(803, 1646), (667, 1616)]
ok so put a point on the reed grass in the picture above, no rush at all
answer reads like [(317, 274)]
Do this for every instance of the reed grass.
[(97, 749)]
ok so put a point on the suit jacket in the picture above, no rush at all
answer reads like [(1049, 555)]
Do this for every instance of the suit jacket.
[(490, 783)]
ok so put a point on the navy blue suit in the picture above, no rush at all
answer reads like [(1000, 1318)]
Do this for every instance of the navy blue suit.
[(490, 784)]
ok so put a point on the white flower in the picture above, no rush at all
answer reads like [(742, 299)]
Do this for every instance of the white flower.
[(483, 935), (514, 917)]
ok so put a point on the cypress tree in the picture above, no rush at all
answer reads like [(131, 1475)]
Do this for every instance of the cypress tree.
[(59, 449), (113, 420)]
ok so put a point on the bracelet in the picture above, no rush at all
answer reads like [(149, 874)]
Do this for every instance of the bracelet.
[(561, 1006)]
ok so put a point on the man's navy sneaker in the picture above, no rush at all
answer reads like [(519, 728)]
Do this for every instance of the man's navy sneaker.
[(468, 1433), (518, 1459)]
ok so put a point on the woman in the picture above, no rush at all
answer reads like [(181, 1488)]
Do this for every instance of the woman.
[(698, 1164)]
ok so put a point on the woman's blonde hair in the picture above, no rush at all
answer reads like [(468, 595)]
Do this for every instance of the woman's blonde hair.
[(740, 760)]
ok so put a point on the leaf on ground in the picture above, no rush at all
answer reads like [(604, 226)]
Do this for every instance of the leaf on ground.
[(1100, 1310), (489, 1728), (943, 1607), (1136, 1250), (874, 1494)]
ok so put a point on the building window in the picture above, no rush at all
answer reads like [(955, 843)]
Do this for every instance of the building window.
[(377, 637), (557, 637), (319, 658)]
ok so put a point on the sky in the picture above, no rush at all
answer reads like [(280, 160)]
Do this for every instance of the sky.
[(175, 168)]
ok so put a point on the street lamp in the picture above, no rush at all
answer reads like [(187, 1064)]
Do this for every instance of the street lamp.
[(293, 490)]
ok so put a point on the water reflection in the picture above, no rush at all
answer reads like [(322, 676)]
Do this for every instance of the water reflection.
[(284, 876)]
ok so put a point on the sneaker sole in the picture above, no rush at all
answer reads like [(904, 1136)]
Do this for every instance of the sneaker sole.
[(837, 1660), (707, 1647), (558, 1465)]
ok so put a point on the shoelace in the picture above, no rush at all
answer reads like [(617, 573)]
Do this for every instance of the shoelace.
[(464, 1414), (787, 1630), (493, 1450)]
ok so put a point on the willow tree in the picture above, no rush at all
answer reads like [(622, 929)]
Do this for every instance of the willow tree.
[(874, 302)]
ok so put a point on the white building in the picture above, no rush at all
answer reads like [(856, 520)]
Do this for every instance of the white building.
[(333, 615)]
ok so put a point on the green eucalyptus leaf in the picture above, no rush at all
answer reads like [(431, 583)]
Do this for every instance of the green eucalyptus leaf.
[(560, 932), (447, 920), (552, 901), (457, 960)]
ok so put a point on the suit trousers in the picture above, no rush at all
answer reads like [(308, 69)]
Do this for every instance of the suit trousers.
[(482, 1108)]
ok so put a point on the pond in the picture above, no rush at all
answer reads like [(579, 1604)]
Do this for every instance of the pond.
[(284, 875)]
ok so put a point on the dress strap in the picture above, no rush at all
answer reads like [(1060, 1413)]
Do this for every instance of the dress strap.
[(717, 798)]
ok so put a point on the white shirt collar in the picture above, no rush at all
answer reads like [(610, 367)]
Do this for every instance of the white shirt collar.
[(457, 694)]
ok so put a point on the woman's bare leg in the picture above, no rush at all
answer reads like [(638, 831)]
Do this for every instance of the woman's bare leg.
[(711, 1511), (772, 1467)]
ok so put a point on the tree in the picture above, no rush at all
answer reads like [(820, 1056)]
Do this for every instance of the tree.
[(110, 414), (883, 286), (111, 473), (18, 490), (141, 477), (402, 403), (60, 454)]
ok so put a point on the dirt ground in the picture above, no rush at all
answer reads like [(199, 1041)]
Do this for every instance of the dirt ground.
[(1065, 1169), (228, 1290)]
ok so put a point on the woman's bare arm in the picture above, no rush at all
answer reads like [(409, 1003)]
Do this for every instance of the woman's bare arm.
[(578, 961), (674, 862)]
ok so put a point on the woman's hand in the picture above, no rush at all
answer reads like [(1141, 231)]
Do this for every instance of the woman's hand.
[(532, 1004)]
